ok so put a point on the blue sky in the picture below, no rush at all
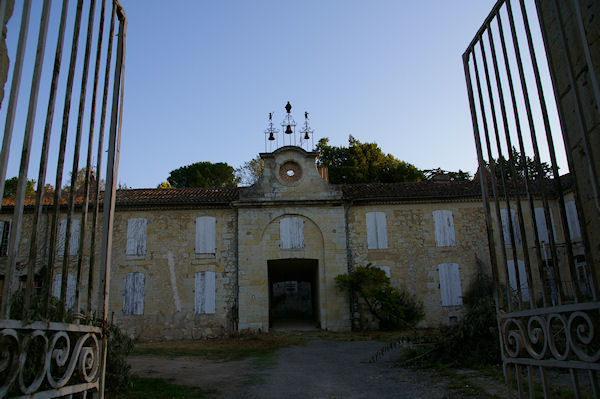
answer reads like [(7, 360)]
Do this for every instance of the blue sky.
[(201, 77)]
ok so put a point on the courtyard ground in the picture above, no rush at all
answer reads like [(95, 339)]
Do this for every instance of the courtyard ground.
[(302, 365)]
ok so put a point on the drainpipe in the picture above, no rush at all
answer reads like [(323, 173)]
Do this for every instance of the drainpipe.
[(235, 316), (353, 316)]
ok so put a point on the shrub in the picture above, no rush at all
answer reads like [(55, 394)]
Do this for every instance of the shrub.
[(393, 308)]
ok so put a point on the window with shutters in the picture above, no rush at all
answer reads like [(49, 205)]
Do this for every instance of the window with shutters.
[(136, 236), (506, 226), (522, 283), (540, 221), (572, 220), (376, 230), (444, 228), (291, 233), (450, 284), (204, 293), (70, 289), (206, 242), (133, 296), (73, 241), (386, 270), (4, 233)]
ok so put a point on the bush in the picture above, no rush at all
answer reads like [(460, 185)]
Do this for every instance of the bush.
[(393, 308), (118, 371)]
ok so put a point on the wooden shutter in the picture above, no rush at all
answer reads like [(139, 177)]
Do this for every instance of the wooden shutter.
[(70, 288), (133, 296), (444, 228), (376, 230), (136, 236), (291, 232), (4, 234), (73, 241), (206, 235), (450, 284), (512, 277), (540, 221), (572, 220), (204, 293), (505, 226)]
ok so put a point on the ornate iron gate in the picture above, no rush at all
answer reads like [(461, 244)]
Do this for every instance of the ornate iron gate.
[(545, 275), (52, 246)]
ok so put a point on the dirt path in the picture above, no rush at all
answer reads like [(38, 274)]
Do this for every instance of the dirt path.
[(318, 369)]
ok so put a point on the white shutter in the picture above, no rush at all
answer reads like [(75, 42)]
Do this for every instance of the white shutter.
[(128, 294), (444, 228), (136, 236), (204, 294), (512, 277), (138, 293), (450, 290), (70, 288), (505, 226), (206, 235), (376, 230), (62, 233), (291, 232), (572, 220), (540, 221)]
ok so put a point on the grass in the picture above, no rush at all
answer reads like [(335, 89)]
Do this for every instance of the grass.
[(160, 388)]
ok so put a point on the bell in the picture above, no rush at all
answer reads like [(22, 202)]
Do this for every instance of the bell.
[(271, 137), (288, 129), (306, 136)]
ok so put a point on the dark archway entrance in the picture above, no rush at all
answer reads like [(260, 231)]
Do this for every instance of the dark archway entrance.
[(293, 293)]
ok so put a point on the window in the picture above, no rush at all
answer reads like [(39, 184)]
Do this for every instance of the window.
[(376, 230), (386, 270), (512, 278), (291, 233), (70, 289), (136, 236), (73, 241), (540, 221), (450, 284), (572, 220), (4, 232), (204, 298), (206, 235), (444, 229), (505, 226), (133, 296)]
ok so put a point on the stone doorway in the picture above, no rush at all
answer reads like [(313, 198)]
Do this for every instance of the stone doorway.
[(293, 294)]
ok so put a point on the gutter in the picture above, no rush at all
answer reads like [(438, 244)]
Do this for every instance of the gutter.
[(235, 316), (349, 260)]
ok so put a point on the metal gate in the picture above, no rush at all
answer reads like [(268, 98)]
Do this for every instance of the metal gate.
[(55, 249), (538, 231)]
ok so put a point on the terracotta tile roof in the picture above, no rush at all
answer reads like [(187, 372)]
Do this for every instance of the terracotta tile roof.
[(412, 190)]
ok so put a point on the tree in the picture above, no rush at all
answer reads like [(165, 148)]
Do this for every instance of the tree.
[(250, 171), (203, 174), (520, 166), (452, 176), (164, 184), (10, 187), (80, 181), (364, 163), (393, 308)]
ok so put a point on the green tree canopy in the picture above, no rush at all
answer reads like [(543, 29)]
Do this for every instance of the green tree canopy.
[(203, 174), (521, 164), (430, 174), (250, 171), (364, 163), (164, 184), (10, 187)]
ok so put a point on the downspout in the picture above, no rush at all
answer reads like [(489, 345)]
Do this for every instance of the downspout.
[(353, 316), (235, 314)]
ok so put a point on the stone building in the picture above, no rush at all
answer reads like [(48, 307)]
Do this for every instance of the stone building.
[(193, 263)]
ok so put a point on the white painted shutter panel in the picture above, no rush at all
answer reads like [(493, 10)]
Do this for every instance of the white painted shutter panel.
[(371, 231), (381, 230), (74, 240), (450, 290), (206, 235), (572, 220), (70, 288), (540, 220), (136, 236), (505, 226), (444, 228), (62, 233), (204, 293), (291, 232), (512, 277), (138, 293), (128, 294)]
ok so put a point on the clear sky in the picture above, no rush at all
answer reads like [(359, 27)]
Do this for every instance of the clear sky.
[(201, 77)]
